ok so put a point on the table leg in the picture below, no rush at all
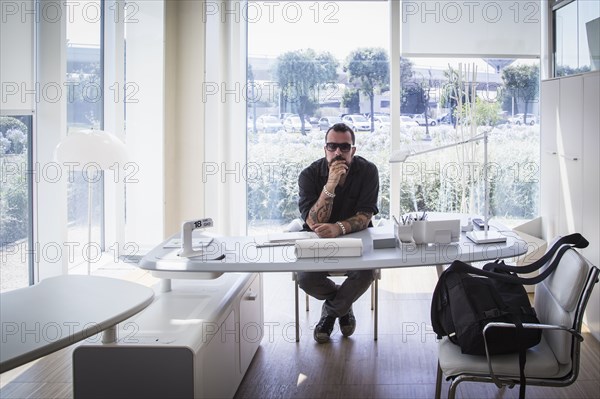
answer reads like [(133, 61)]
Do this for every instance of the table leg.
[(297, 305), (165, 285), (109, 336)]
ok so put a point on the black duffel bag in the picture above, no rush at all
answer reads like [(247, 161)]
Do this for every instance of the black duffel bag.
[(467, 298)]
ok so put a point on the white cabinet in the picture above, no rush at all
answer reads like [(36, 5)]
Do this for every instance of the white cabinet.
[(570, 169), (591, 170), (195, 341), (570, 162), (591, 190), (549, 183)]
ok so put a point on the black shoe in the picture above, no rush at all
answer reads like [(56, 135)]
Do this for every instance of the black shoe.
[(348, 324), (323, 329)]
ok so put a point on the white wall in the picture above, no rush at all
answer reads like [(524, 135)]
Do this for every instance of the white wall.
[(144, 133), (184, 113)]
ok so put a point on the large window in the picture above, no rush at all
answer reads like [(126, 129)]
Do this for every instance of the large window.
[(15, 202), (576, 37), (300, 81), (451, 100), (307, 62)]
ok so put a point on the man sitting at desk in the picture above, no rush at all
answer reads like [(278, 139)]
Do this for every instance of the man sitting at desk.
[(338, 195)]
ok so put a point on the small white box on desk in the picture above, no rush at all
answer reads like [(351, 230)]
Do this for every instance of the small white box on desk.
[(436, 231)]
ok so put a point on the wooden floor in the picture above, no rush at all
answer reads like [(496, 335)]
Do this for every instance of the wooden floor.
[(400, 364)]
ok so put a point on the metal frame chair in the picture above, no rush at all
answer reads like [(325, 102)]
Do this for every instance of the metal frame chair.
[(560, 302), (374, 300)]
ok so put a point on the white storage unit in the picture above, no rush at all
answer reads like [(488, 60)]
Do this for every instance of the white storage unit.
[(570, 166), (195, 341)]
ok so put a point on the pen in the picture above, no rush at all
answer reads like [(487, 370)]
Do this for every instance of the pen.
[(395, 220)]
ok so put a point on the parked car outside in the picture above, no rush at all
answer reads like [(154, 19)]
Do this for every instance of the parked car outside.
[(313, 120), (293, 124), (518, 119), (420, 119), (408, 121), (382, 122), (327, 121), (285, 115), (357, 122), (445, 119), (268, 124)]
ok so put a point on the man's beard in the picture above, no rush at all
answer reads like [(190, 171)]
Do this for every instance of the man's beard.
[(337, 158)]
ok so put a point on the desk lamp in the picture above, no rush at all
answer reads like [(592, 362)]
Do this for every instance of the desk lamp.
[(479, 237), (91, 149)]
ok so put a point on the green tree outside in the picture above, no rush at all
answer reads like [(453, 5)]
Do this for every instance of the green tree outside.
[(522, 82), (370, 68), (300, 75)]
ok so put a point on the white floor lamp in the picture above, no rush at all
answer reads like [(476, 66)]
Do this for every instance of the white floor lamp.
[(479, 237), (88, 150)]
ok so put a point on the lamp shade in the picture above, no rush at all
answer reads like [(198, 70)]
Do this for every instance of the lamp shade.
[(91, 146)]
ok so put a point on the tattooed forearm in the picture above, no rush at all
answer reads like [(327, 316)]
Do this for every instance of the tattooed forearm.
[(320, 211), (359, 222)]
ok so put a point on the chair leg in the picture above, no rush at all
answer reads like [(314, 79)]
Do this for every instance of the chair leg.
[(296, 309), (453, 386), (438, 382), (375, 306)]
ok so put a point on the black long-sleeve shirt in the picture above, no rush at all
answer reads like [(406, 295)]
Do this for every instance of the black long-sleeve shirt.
[(358, 194)]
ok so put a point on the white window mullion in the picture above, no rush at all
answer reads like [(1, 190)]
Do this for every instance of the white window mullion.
[(114, 120), (395, 52)]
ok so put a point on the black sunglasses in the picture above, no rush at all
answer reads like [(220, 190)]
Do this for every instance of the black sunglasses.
[(344, 147)]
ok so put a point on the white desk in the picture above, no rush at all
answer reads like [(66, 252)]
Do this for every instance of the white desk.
[(60, 311), (243, 255)]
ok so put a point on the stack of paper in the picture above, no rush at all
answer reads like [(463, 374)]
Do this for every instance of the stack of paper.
[(272, 240), (329, 248)]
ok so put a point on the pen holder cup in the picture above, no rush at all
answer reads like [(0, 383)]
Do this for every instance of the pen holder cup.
[(404, 233)]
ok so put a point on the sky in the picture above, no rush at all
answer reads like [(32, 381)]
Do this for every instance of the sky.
[(337, 27)]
